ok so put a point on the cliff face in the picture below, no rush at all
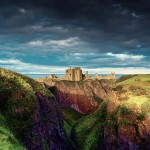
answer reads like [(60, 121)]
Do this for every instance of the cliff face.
[(84, 96), (117, 116), (31, 113), (122, 124), (47, 131)]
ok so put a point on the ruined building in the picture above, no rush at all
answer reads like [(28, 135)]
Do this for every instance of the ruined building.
[(110, 76), (73, 74)]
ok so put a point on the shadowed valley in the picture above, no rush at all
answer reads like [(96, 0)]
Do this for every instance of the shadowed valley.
[(83, 115)]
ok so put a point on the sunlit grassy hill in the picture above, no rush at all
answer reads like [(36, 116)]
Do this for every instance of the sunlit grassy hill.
[(126, 127), (17, 103), (135, 92), (121, 120), (29, 115)]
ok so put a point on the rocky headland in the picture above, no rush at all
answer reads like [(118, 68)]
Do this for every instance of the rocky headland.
[(30, 116), (74, 115), (116, 113)]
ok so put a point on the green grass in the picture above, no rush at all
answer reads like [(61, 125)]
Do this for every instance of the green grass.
[(71, 115), (138, 100), (136, 79), (18, 102), (7, 139), (125, 77), (67, 128), (88, 130)]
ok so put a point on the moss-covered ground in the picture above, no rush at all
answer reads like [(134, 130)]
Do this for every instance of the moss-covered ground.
[(133, 93), (7, 139), (17, 104), (18, 101)]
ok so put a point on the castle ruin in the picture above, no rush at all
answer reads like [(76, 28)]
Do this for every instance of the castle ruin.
[(75, 74)]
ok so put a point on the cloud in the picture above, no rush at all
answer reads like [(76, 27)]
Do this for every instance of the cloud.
[(77, 32), (83, 54), (65, 43), (126, 70), (37, 43), (29, 68), (72, 41), (10, 62), (125, 57), (22, 10), (134, 15)]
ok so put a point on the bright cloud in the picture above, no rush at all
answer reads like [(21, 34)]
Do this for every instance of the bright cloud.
[(72, 41), (22, 10), (28, 68), (83, 54), (125, 57), (127, 70), (10, 61)]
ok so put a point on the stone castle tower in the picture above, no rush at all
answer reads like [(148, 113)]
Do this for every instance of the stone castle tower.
[(74, 74)]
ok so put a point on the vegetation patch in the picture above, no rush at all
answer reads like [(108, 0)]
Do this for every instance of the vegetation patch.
[(125, 98), (7, 139), (124, 111), (125, 77), (137, 91), (18, 102), (146, 107), (112, 120), (71, 115), (88, 131), (118, 88), (97, 99), (141, 116)]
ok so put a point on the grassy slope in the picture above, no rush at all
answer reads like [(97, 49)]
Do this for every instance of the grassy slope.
[(137, 89), (70, 117), (88, 131), (17, 103), (7, 139)]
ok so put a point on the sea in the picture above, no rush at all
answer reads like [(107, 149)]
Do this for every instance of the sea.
[(60, 75)]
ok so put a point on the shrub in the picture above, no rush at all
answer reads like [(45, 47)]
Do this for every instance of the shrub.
[(124, 110), (122, 91), (123, 98), (123, 122), (138, 80), (146, 107), (118, 88), (123, 78), (141, 116), (137, 91)]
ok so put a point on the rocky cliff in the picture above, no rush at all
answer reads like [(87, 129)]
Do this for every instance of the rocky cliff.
[(97, 114), (117, 114), (121, 126), (83, 96), (30, 117)]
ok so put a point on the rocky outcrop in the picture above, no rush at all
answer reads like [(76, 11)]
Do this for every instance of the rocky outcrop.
[(47, 131), (83, 96), (31, 114), (121, 123)]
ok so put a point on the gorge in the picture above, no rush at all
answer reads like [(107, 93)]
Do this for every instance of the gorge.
[(82, 115)]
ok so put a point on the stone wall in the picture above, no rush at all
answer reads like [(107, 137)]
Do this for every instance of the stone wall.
[(111, 76), (73, 74)]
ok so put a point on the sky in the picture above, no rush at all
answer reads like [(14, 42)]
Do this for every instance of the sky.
[(102, 36)]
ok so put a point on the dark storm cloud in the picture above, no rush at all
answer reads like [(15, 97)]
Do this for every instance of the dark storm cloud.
[(109, 25)]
